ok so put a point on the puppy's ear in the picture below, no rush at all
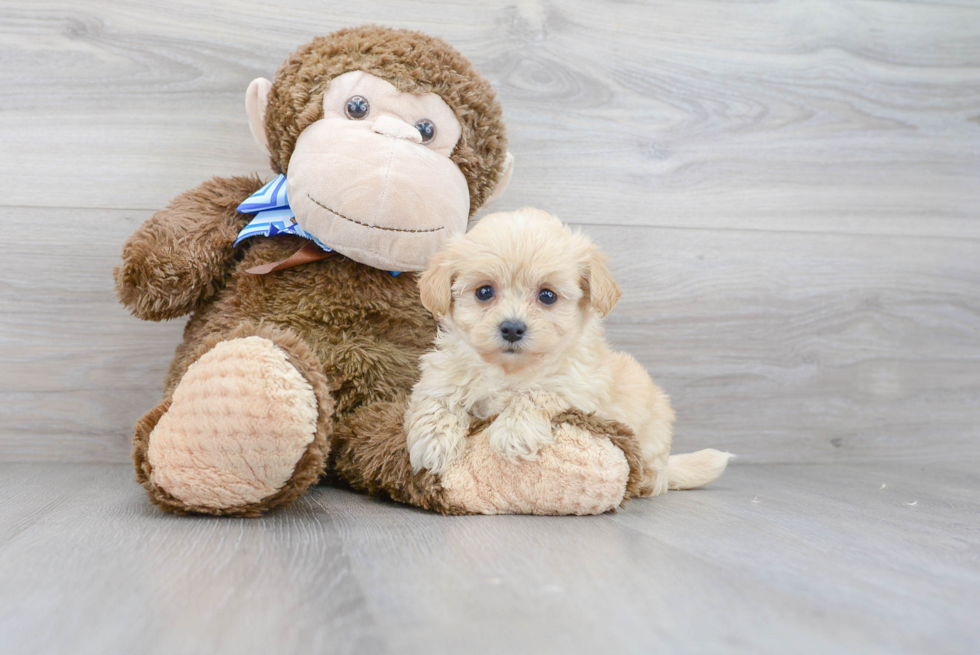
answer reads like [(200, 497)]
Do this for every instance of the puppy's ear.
[(436, 285), (603, 291)]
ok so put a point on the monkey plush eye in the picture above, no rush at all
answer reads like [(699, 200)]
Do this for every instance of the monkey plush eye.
[(547, 297), (427, 129), (484, 293), (357, 107)]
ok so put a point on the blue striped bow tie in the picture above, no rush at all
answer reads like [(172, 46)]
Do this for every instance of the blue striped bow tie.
[(273, 215)]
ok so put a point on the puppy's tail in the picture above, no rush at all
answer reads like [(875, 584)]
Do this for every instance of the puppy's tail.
[(693, 470)]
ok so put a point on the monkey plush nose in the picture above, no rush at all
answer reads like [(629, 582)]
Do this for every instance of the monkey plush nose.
[(512, 331), (391, 126)]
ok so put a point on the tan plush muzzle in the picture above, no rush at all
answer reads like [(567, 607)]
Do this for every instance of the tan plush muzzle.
[(384, 201)]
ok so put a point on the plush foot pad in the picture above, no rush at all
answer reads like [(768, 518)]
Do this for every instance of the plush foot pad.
[(591, 467), (578, 473), (240, 420)]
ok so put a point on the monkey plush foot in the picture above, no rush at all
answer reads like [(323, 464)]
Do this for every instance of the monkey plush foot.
[(585, 469), (242, 432), (590, 467)]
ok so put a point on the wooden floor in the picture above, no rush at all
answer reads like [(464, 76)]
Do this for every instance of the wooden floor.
[(772, 558)]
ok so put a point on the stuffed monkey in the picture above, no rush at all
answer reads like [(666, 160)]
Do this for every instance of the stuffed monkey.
[(306, 324)]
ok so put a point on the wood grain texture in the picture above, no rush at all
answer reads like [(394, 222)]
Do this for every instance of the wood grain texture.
[(788, 191), (826, 115), (812, 558)]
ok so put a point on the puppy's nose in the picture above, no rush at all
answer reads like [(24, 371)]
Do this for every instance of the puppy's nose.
[(512, 331)]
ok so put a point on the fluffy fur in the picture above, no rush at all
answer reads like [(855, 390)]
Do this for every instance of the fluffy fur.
[(357, 330), (561, 361), (178, 260)]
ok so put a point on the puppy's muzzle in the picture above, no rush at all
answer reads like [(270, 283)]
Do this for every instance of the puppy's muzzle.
[(512, 331)]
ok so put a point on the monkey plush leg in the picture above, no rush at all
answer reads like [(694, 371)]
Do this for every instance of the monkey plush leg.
[(245, 429), (590, 467)]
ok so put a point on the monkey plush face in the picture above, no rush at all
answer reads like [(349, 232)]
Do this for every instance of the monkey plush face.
[(386, 160), (373, 177)]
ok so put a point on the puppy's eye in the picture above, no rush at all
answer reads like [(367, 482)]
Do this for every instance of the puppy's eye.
[(484, 293), (547, 297), (357, 108), (427, 129)]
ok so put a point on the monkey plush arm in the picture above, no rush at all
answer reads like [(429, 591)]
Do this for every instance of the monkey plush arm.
[(180, 257)]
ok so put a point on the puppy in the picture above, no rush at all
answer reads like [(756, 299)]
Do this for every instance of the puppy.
[(520, 300)]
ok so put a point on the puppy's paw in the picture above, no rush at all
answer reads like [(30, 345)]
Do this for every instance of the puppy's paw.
[(435, 452), (548, 403), (519, 437), (436, 436)]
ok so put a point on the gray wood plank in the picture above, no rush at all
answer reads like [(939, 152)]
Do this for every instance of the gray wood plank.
[(779, 346), (26, 498), (819, 116), (813, 558), (76, 370), (806, 347), (108, 573), (857, 539)]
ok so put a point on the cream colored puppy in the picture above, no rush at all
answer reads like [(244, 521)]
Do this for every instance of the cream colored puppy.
[(520, 300)]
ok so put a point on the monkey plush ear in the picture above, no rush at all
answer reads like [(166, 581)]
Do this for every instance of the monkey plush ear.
[(436, 285), (603, 291), (256, 98), (503, 181)]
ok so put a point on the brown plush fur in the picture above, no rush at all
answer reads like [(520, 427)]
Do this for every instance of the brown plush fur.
[(366, 327), (178, 259), (310, 466), (370, 454), (413, 62), (353, 331)]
